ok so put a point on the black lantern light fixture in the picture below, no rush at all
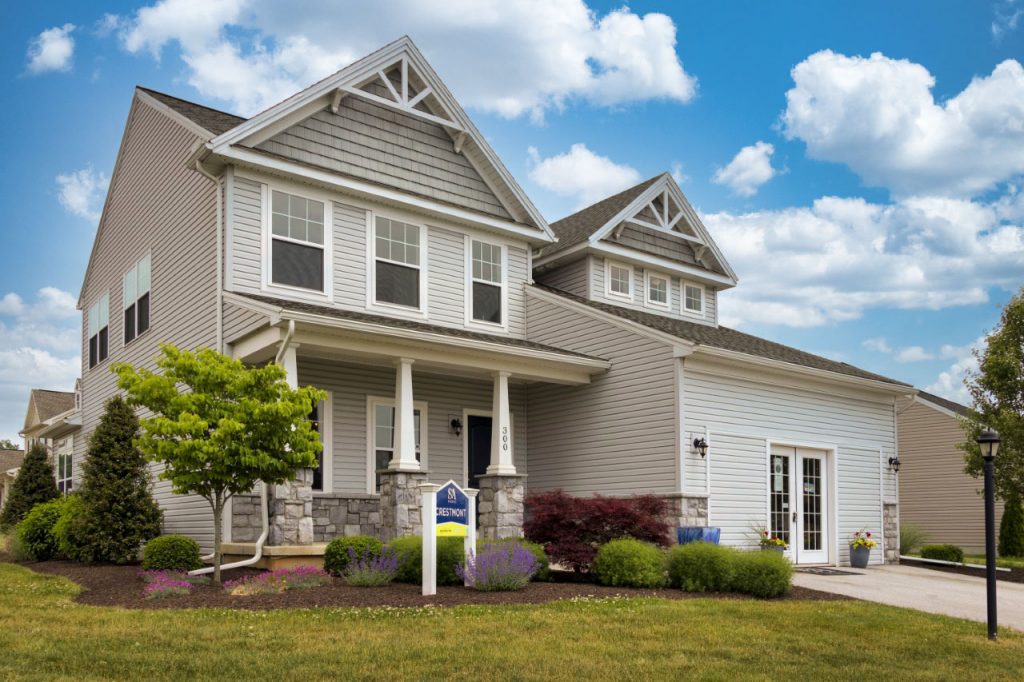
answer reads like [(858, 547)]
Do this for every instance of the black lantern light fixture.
[(456, 425), (988, 443), (894, 462), (701, 446)]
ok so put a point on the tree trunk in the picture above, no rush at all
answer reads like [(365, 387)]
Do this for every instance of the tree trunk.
[(218, 511)]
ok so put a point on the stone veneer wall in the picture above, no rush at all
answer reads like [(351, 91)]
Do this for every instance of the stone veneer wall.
[(891, 532), (685, 510), (291, 510), (400, 512), (500, 506), (337, 516)]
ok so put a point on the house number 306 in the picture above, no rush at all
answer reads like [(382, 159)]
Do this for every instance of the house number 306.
[(504, 438)]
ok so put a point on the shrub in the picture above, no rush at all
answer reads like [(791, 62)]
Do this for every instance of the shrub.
[(761, 574), (572, 528), (499, 567), (35, 531), (912, 536), (943, 553), (171, 553), (70, 530), (371, 570), (702, 567), (629, 563), (276, 582), (342, 550), (450, 553), (167, 585), (1011, 528), (33, 485), (16, 549), (543, 573)]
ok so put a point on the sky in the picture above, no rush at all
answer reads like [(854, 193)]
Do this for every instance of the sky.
[(859, 164)]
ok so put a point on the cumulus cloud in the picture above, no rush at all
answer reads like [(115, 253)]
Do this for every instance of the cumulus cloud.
[(511, 57), (878, 344), (950, 382), (1007, 15), (581, 174), (81, 192), (748, 170), (878, 116), (51, 50), (913, 354)]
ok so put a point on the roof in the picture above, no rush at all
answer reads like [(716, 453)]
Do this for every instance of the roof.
[(213, 120), (726, 339), (10, 459), (576, 228), (399, 323), (959, 409), (51, 403)]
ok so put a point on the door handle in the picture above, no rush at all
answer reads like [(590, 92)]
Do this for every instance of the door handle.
[(794, 517)]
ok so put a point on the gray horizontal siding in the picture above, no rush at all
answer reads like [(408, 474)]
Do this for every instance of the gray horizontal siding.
[(598, 292), (571, 277), (240, 321)]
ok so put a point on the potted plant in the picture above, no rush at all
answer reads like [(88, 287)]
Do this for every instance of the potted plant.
[(860, 548), (772, 543)]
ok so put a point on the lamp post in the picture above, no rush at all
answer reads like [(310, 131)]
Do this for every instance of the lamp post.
[(988, 441)]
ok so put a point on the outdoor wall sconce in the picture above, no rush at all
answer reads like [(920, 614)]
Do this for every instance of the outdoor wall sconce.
[(894, 462), (701, 446), (456, 425)]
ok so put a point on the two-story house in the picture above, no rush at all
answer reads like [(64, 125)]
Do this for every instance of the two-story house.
[(363, 234)]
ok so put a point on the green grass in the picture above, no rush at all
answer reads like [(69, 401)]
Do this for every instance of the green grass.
[(47, 636), (1004, 561)]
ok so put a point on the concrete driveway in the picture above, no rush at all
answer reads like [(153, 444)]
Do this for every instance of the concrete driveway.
[(951, 594)]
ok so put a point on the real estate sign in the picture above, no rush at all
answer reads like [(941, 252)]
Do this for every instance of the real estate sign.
[(448, 511), (452, 511)]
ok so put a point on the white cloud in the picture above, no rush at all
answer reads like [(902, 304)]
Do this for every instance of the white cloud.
[(913, 354), (1008, 14), (581, 174), (81, 192), (677, 173), (831, 261), (52, 50), (879, 117), (878, 344), (950, 383), (512, 57), (748, 170)]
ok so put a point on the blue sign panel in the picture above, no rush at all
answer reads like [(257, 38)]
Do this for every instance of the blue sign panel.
[(452, 511)]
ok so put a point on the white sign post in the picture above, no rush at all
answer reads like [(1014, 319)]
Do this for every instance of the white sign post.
[(470, 542), (428, 516), (447, 511)]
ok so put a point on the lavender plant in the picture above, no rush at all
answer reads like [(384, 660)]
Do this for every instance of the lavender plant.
[(498, 567), (373, 570)]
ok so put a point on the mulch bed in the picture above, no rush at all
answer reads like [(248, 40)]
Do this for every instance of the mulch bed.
[(1014, 575), (121, 586)]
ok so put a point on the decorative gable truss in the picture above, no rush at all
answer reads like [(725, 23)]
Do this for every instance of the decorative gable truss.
[(401, 87)]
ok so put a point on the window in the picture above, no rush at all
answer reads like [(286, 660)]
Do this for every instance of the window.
[(320, 420), (382, 435), (99, 322), (64, 472), (693, 298), (620, 280), (297, 251), (397, 263), (657, 290), (487, 282), (136, 300)]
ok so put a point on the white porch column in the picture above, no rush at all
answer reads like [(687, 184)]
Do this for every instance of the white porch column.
[(404, 457), (501, 429), (291, 365)]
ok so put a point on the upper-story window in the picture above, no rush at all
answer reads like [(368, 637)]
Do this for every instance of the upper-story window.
[(136, 300), (99, 323), (620, 280), (657, 290), (693, 298), (297, 251), (487, 282), (397, 263)]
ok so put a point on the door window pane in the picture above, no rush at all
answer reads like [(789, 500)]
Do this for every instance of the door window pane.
[(779, 498), (812, 507)]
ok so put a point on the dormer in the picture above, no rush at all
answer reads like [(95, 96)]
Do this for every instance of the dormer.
[(644, 248)]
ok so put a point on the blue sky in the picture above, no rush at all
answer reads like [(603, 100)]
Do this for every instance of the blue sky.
[(858, 163)]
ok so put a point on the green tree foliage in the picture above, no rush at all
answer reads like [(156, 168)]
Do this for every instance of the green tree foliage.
[(998, 392), (220, 427), (35, 483), (1011, 528), (118, 512), (8, 444)]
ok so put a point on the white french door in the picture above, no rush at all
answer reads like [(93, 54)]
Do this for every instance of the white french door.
[(798, 502)]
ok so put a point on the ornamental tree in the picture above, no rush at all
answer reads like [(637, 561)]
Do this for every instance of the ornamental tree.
[(34, 484), (220, 427)]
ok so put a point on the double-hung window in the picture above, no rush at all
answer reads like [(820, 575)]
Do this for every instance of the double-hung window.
[(382, 434), (297, 251), (658, 288), (693, 298), (397, 263), (64, 472), (620, 280), (136, 300), (99, 323), (487, 282)]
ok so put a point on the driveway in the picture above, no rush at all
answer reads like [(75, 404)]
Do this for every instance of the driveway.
[(951, 594)]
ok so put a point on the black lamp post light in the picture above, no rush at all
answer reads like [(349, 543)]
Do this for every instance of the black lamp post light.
[(988, 441)]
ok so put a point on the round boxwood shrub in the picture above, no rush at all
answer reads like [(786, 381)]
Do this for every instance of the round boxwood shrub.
[(628, 562), (543, 573), (761, 574), (943, 553), (171, 553), (35, 531), (70, 531), (336, 556), (701, 567), (409, 549)]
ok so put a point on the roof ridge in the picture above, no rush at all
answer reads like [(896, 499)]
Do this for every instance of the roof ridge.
[(646, 183), (190, 102)]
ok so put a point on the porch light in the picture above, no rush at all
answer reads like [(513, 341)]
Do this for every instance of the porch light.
[(701, 446), (456, 425), (988, 441), (894, 462)]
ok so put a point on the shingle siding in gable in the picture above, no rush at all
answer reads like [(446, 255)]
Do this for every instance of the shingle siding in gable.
[(646, 240)]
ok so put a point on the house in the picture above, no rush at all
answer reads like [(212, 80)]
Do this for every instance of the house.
[(935, 493), (363, 234), (10, 462), (53, 419)]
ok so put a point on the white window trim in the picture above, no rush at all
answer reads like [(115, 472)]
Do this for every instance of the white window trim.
[(371, 268), (372, 403), (648, 275), (326, 416), (267, 283), (608, 280), (470, 322), (703, 299), (125, 304), (63, 451)]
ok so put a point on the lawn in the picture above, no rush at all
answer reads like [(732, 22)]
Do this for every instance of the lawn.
[(1005, 561), (47, 636)]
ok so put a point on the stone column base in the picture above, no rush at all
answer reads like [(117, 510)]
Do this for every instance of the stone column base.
[(500, 506), (891, 532), (291, 510), (687, 510), (400, 512)]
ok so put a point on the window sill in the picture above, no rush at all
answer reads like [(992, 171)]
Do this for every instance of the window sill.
[(620, 297), (398, 310), (296, 293), (490, 327)]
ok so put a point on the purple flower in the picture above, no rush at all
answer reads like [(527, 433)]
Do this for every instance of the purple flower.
[(498, 567), (373, 570)]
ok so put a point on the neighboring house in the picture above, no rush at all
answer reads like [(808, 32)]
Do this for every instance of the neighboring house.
[(363, 234), (935, 493), (10, 462), (53, 418)]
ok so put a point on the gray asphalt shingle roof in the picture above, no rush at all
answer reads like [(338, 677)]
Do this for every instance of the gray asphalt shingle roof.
[(51, 403), (214, 120), (962, 410)]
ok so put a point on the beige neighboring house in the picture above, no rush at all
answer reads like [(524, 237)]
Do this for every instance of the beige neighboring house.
[(10, 461), (53, 418), (935, 493)]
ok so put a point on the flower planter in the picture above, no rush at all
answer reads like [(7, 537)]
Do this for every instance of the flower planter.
[(769, 548), (688, 534), (859, 556)]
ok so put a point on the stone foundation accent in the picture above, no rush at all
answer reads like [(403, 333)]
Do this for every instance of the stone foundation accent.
[(246, 523), (500, 506), (336, 516), (400, 512), (891, 532), (686, 510), (291, 510)]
